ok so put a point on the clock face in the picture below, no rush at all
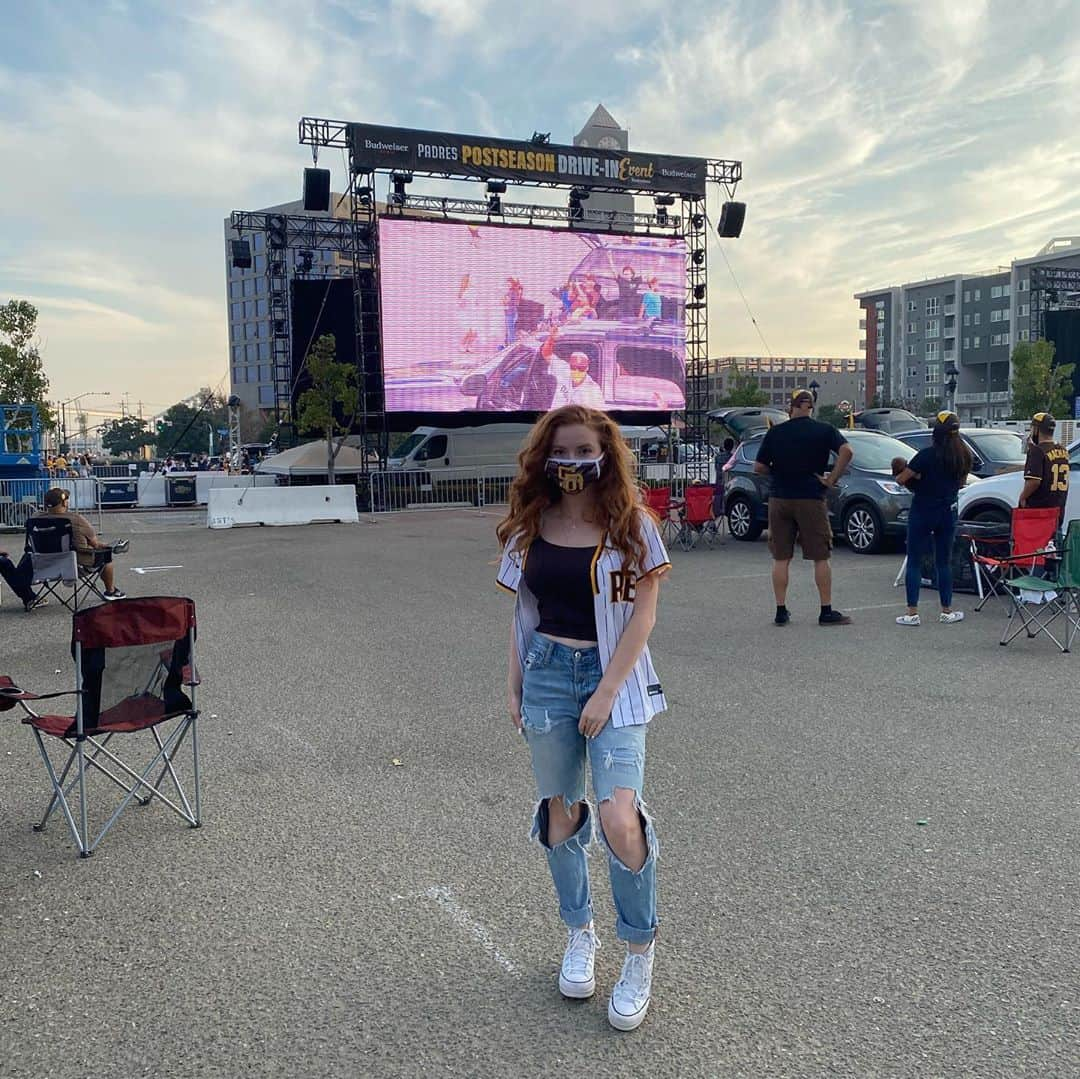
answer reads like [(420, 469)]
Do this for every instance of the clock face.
[(608, 143)]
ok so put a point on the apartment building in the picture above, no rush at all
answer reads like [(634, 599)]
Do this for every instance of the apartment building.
[(837, 378), (964, 326)]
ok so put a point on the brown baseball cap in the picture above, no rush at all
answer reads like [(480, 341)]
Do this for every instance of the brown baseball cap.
[(799, 397), (1044, 422)]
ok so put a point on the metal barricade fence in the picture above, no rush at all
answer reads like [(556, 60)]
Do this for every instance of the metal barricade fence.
[(454, 488), (444, 488), (23, 498)]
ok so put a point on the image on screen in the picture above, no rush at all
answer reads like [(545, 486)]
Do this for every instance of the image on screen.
[(497, 319)]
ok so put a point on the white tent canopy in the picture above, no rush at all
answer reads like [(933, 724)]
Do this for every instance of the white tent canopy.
[(310, 460)]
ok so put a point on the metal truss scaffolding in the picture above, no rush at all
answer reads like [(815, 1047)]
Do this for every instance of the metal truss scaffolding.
[(1052, 288), (362, 246)]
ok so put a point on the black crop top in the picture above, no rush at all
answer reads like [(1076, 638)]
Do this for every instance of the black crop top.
[(561, 580)]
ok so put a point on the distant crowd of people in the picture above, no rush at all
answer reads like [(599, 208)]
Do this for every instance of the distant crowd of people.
[(81, 467)]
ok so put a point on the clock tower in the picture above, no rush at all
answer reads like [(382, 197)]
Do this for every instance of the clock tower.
[(602, 132)]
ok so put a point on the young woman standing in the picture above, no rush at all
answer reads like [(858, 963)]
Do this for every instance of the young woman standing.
[(935, 475), (585, 560)]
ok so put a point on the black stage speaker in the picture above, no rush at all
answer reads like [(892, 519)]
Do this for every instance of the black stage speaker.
[(241, 254), (316, 189), (732, 215), (1063, 328)]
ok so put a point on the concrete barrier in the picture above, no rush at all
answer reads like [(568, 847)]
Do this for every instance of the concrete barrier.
[(281, 506)]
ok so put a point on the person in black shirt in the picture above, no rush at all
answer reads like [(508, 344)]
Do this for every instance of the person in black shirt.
[(1046, 470), (796, 455), (935, 476)]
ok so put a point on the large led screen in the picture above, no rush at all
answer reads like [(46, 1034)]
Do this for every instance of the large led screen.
[(500, 319)]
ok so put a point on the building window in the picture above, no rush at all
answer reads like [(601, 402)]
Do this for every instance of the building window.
[(976, 342), (933, 327), (995, 292), (933, 372), (237, 311), (250, 353), (237, 331), (1024, 310), (967, 296), (1023, 285), (911, 350), (978, 294), (266, 396), (967, 342), (931, 349), (1025, 335), (260, 285), (239, 375), (967, 320), (933, 305), (249, 330), (260, 241), (264, 350), (264, 372), (912, 372), (236, 289), (911, 327), (976, 318), (260, 263), (911, 305)]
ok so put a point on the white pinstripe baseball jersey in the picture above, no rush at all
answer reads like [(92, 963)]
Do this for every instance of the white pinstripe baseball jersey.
[(640, 697)]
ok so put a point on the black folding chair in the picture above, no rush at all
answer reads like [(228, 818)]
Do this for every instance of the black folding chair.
[(50, 541), (134, 672)]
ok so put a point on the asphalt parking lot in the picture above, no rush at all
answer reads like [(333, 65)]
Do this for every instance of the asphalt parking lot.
[(870, 839)]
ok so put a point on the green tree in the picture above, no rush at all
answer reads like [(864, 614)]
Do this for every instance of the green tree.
[(744, 391), (183, 428), (1039, 384), (22, 375), (126, 437), (334, 392), (832, 414), (931, 406)]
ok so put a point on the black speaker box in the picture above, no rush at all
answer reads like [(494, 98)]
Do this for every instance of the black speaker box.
[(241, 254), (316, 189), (732, 215)]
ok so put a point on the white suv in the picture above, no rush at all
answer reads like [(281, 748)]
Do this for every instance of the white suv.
[(994, 499)]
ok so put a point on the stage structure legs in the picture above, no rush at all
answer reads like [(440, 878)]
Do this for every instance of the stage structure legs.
[(695, 417)]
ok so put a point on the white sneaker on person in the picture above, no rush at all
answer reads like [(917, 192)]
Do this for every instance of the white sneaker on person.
[(951, 616), (114, 594), (630, 997), (909, 620), (576, 979)]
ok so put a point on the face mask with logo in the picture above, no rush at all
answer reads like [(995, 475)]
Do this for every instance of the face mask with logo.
[(571, 475)]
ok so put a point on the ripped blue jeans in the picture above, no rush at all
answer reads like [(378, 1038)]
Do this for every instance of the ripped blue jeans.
[(556, 682)]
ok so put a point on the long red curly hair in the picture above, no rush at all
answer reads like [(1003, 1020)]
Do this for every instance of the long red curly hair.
[(618, 499)]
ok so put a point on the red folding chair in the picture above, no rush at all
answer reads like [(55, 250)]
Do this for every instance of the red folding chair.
[(134, 672), (1032, 530), (696, 521), (658, 499)]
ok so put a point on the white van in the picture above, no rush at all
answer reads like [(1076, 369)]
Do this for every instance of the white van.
[(492, 446)]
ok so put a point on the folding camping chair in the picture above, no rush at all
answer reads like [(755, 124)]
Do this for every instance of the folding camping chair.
[(1032, 530), (658, 499), (51, 543), (696, 522), (134, 660), (1038, 602)]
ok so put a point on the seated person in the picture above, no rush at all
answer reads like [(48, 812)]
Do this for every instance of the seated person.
[(90, 552), (18, 580)]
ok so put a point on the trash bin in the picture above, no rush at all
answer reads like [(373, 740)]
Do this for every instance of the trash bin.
[(118, 492), (179, 490)]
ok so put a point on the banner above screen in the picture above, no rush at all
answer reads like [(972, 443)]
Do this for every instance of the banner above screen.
[(377, 147)]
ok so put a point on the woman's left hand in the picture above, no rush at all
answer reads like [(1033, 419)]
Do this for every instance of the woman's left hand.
[(596, 713)]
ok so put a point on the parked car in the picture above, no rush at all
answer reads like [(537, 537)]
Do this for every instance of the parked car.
[(740, 422), (993, 452), (888, 420), (992, 500), (866, 507), (637, 365)]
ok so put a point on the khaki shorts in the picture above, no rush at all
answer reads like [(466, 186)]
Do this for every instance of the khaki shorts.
[(806, 518)]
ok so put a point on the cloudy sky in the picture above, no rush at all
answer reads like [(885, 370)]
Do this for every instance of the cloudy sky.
[(881, 142)]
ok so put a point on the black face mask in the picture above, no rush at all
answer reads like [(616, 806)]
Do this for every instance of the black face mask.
[(571, 475)]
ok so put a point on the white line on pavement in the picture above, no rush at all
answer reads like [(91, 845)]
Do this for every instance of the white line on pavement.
[(464, 920), (153, 569)]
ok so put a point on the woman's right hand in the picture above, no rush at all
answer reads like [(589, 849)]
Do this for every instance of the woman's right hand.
[(514, 705)]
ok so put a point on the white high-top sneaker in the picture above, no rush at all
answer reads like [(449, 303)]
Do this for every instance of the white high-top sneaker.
[(576, 978), (630, 997)]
